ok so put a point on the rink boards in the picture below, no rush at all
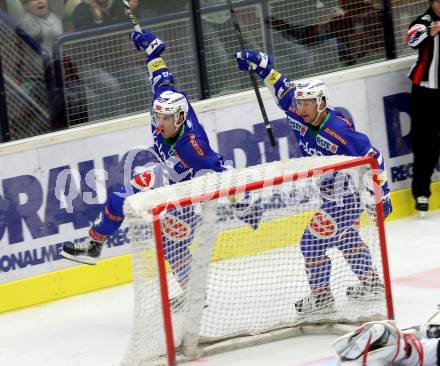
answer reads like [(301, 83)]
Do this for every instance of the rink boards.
[(40, 218)]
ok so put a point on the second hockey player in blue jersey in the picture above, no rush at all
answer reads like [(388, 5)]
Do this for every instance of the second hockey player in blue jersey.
[(321, 130)]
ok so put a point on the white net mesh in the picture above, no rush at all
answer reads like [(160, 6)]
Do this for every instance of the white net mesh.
[(279, 256)]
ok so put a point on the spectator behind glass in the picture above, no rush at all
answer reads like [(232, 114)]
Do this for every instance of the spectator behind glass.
[(40, 23), (221, 41), (107, 88), (149, 9), (90, 14), (357, 27)]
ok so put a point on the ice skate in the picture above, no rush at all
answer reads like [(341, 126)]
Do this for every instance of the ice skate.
[(177, 303), (422, 206), (87, 251), (319, 303), (370, 289)]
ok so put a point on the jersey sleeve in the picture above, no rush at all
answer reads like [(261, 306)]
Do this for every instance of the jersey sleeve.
[(198, 155), (281, 88), (358, 144), (418, 33), (161, 77)]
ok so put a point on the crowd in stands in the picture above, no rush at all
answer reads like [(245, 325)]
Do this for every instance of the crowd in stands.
[(45, 20)]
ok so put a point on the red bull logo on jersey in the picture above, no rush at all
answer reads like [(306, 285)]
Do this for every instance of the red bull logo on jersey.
[(297, 126), (326, 144)]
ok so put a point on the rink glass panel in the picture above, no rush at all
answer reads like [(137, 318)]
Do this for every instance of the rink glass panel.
[(24, 67)]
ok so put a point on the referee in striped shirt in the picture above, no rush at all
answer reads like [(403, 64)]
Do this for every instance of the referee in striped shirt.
[(423, 35)]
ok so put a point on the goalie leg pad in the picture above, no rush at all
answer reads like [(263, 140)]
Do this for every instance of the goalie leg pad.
[(379, 343)]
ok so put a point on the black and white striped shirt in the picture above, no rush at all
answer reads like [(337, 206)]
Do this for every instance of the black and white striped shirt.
[(425, 72)]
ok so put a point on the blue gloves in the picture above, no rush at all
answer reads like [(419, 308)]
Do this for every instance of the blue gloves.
[(247, 209), (254, 60), (147, 41), (387, 206)]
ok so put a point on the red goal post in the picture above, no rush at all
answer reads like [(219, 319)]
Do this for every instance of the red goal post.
[(219, 261)]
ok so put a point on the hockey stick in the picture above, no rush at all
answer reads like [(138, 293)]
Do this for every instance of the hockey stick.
[(133, 19), (251, 74)]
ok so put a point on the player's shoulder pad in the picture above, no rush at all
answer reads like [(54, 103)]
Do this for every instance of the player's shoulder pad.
[(339, 129)]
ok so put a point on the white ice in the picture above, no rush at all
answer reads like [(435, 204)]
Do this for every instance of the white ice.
[(93, 329)]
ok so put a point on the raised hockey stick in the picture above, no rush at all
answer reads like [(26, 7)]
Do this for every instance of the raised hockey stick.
[(133, 19), (251, 74)]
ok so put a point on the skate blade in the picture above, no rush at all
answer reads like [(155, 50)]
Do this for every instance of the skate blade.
[(322, 311), (79, 258), (369, 297)]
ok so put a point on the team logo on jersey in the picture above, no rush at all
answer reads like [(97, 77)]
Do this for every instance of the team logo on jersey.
[(195, 145), (175, 229), (297, 126), (322, 225), (326, 144)]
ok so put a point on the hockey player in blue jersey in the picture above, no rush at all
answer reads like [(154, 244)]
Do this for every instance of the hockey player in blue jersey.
[(321, 130), (183, 151)]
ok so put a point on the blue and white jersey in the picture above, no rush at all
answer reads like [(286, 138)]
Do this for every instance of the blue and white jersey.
[(335, 136), (189, 154)]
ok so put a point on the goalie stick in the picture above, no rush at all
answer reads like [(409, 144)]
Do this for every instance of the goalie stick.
[(251, 74)]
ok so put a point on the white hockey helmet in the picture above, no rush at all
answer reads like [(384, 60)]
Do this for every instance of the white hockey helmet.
[(311, 89), (170, 102)]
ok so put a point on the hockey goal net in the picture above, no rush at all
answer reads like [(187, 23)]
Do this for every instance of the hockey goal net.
[(231, 258)]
